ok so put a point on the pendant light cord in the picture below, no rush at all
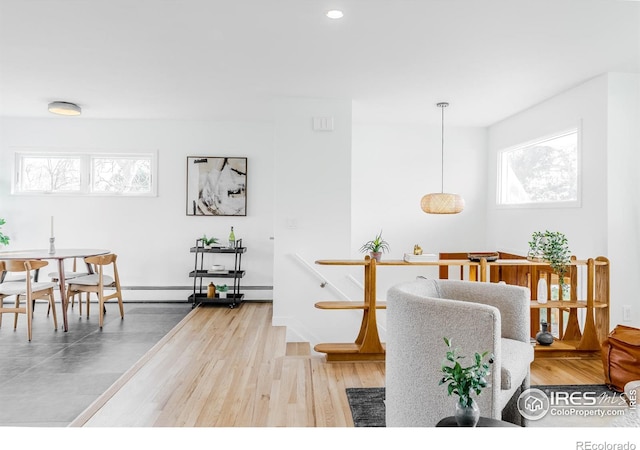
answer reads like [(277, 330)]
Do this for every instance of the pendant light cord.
[(442, 154), (442, 105)]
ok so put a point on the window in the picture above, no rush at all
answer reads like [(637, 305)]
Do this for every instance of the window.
[(85, 173), (131, 175), (543, 172)]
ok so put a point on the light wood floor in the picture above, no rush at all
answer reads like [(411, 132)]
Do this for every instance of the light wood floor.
[(231, 368)]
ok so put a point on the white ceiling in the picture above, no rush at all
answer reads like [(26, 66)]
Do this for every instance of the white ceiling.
[(228, 60)]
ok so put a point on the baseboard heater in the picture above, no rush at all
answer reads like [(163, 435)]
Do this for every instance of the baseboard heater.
[(150, 297)]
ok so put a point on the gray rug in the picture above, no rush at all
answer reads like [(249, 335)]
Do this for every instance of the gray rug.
[(368, 408)]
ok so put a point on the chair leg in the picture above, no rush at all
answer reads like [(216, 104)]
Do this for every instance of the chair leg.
[(120, 305), (29, 318), (52, 306), (15, 318), (101, 306), (87, 305)]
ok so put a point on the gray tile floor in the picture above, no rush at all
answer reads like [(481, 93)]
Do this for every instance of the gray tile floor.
[(49, 381)]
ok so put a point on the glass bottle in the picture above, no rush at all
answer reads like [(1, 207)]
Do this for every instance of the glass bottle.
[(232, 239)]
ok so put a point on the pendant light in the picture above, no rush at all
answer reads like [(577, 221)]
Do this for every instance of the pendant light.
[(442, 203)]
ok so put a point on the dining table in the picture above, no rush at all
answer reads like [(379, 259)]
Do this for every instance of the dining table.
[(59, 255)]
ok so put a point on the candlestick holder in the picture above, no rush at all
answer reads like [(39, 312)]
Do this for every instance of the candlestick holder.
[(52, 245)]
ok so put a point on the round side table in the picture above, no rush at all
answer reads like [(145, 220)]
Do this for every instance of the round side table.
[(483, 422)]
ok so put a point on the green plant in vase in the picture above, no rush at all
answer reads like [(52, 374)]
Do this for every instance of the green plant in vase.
[(375, 247), (208, 241), (222, 290), (465, 381), (4, 239), (553, 248)]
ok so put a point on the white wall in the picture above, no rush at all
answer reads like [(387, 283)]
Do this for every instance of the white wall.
[(312, 216), (510, 229), (606, 108), (394, 165), (623, 195), (151, 235)]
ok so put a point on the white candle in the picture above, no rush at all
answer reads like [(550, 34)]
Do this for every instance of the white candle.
[(51, 226)]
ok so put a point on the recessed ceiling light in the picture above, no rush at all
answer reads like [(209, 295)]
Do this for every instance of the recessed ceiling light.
[(64, 108), (335, 14)]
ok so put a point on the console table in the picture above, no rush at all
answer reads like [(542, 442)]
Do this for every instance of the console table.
[(510, 269), (367, 346)]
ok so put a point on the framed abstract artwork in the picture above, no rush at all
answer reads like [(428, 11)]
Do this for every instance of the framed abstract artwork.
[(216, 186)]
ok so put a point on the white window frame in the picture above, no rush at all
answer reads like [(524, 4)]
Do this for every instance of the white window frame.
[(554, 204), (86, 171)]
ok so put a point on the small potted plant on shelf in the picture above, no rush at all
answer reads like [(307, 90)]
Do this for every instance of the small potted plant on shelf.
[(464, 381), (376, 247), (551, 247), (222, 290), (4, 239), (208, 242)]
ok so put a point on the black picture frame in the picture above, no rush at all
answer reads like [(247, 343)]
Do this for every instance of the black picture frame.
[(216, 186)]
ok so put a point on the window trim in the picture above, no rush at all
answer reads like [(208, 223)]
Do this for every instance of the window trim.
[(536, 205), (86, 171)]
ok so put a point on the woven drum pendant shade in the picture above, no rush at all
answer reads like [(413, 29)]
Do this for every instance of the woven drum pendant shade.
[(442, 203)]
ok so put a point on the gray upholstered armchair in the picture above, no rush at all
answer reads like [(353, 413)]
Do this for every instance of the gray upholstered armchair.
[(477, 317)]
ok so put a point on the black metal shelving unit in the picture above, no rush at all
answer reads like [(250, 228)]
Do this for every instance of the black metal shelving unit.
[(199, 273)]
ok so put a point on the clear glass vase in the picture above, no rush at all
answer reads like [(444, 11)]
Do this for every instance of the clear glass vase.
[(467, 416)]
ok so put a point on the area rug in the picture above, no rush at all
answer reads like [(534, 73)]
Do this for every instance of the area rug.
[(368, 407)]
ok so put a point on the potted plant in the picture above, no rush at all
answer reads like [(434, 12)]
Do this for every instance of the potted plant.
[(376, 247), (464, 381), (553, 248), (4, 239), (222, 290), (207, 242)]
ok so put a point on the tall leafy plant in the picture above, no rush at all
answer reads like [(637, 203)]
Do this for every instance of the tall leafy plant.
[(552, 247), (4, 239)]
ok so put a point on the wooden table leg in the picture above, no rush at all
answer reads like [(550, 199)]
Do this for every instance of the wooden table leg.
[(370, 343)]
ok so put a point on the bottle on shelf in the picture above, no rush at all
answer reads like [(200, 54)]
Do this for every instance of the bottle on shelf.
[(232, 239), (211, 290), (542, 290)]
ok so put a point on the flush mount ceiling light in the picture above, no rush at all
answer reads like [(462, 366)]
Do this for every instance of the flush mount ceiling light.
[(64, 108), (335, 14), (442, 203)]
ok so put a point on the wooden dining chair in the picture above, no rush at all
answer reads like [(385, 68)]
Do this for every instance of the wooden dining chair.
[(28, 290), (75, 272), (98, 283)]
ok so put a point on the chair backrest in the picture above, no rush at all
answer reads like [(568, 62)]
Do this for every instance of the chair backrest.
[(23, 265), (99, 261)]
